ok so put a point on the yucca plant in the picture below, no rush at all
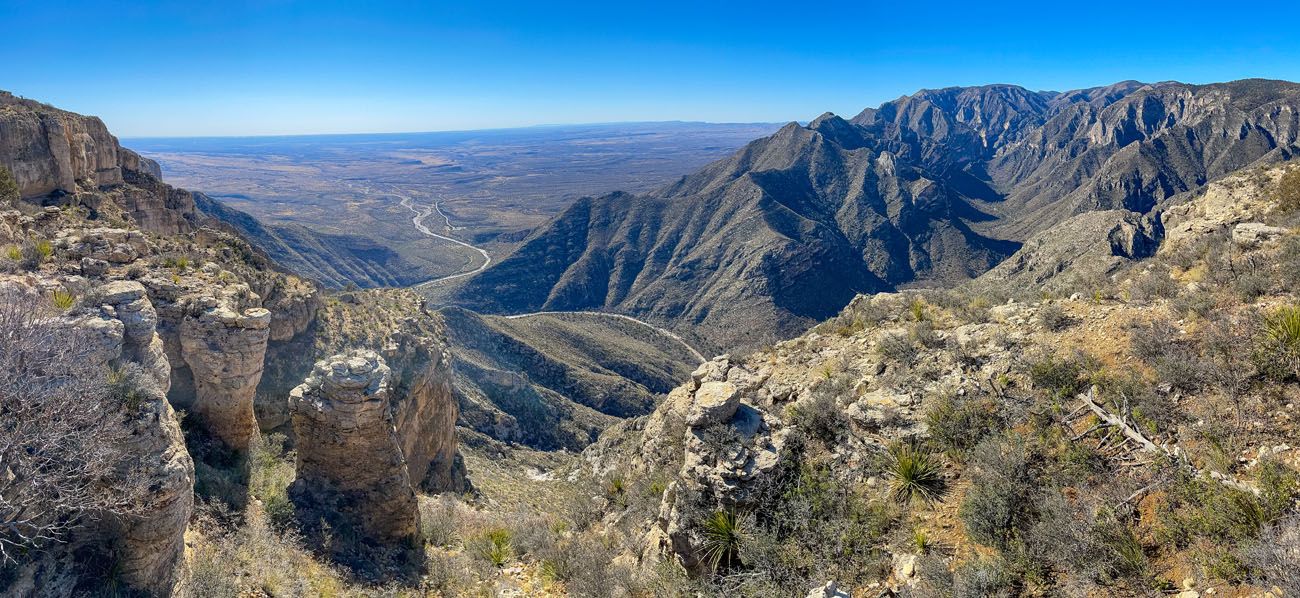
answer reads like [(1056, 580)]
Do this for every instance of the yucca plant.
[(13, 253), (722, 538), (917, 309), (914, 473), (44, 248), (496, 546), (1283, 330), (62, 299)]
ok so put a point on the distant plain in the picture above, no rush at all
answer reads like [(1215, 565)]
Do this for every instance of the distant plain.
[(492, 186)]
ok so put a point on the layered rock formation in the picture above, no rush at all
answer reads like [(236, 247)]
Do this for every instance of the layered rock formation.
[(150, 545), (58, 156), (148, 542), (425, 412), (224, 350), (350, 460)]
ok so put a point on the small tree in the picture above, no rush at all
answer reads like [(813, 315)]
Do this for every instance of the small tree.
[(8, 187), (64, 434)]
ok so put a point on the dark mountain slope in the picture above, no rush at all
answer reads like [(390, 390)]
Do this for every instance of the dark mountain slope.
[(332, 259), (782, 233), (931, 188)]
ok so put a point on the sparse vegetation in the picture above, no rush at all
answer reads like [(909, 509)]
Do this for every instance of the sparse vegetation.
[(9, 193)]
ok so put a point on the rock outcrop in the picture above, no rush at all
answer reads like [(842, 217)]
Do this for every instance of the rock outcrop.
[(425, 413), (350, 461), (63, 157), (224, 350)]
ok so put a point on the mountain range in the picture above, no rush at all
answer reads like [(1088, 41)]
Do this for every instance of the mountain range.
[(929, 189)]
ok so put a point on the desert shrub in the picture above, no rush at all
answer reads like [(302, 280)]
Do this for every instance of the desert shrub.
[(271, 470), (586, 566), (898, 348), (956, 425), (1254, 282), (1226, 344), (913, 473), (923, 333), (983, 578), (446, 574), (1274, 557), (1221, 516), (34, 253), (1199, 302), (208, 573), (1288, 263), (1287, 192), (494, 546), (129, 386), (255, 559), (66, 441), (1000, 501), (1154, 284), (814, 527), (9, 193), (1181, 368), (1152, 340), (1061, 377), (439, 520), (820, 416), (1053, 317)]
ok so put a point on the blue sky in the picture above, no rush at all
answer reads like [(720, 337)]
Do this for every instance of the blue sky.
[(288, 67)]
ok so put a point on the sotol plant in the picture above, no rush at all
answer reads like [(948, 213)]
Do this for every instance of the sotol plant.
[(914, 473), (722, 537)]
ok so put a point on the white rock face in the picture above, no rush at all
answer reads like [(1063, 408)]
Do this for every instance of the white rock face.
[(715, 403)]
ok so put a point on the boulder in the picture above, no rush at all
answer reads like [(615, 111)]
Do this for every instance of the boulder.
[(1254, 234), (715, 403)]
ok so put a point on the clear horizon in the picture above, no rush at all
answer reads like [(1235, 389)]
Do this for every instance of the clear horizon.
[(287, 68)]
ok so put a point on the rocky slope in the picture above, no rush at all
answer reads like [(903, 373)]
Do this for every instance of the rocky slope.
[(556, 381), (334, 260), (935, 187), (99, 242), (928, 443)]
